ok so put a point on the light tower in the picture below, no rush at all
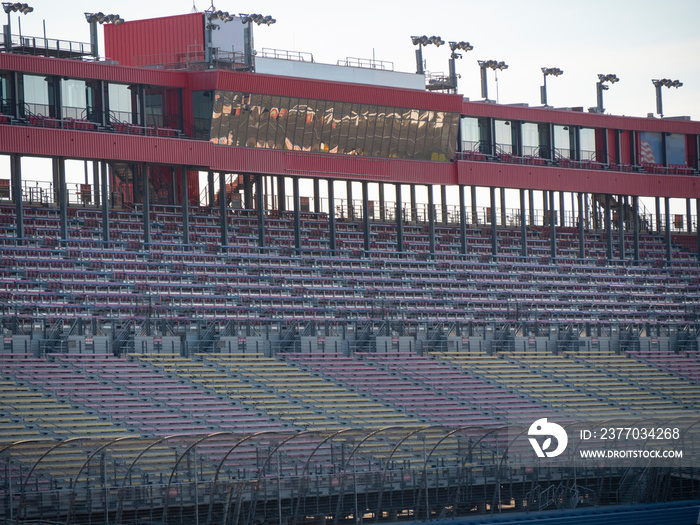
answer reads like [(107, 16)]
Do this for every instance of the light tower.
[(658, 83)]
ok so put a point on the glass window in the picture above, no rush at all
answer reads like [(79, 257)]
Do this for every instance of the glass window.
[(562, 142), (36, 94), (470, 133), (282, 123), (378, 135), (319, 109), (310, 117), (504, 137), (587, 142), (345, 116), (675, 149), (202, 112), (531, 139), (329, 130), (121, 103), (74, 99), (650, 151)]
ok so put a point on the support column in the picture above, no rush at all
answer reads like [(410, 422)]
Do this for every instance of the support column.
[(608, 228), (531, 206), (212, 189), (247, 192), (562, 222), (635, 219), (462, 220), (317, 196), (503, 207), (657, 203), (351, 209), (689, 215), (523, 225), (494, 238), (281, 193), (331, 216), (223, 219), (581, 229), (667, 212), (382, 202), (96, 181), (443, 203), (105, 203), (146, 200), (697, 224), (260, 194), (399, 219), (545, 208), (365, 216), (414, 206), (552, 227), (60, 177), (621, 225), (185, 203), (475, 211), (16, 176), (431, 220), (297, 213)]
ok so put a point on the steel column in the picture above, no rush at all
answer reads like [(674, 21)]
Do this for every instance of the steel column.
[(608, 228), (523, 225), (297, 213), (431, 220), (667, 211), (581, 229), (146, 200), (462, 220), (399, 219), (552, 228), (261, 209), (185, 206), (635, 223), (621, 226), (331, 215), (365, 216), (60, 175), (282, 194), (105, 202), (494, 238), (223, 210), (16, 176)]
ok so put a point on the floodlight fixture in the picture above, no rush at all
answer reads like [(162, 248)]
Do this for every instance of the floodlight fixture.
[(600, 87), (421, 41), (496, 66), (99, 18), (13, 7), (247, 20), (658, 84), (16, 7), (546, 71)]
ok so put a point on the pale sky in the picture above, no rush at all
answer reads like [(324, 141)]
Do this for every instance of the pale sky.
[(635, 39)]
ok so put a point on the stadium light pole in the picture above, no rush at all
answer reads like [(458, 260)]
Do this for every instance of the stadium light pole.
[(658, 84), (496, 66), (248, 35), (10, 7), (600, 87), (421, 41), (213, 14), (454, 47), (546, 71), (93, 19)]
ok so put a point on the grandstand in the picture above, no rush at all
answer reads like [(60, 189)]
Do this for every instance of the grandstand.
[(232, 353)]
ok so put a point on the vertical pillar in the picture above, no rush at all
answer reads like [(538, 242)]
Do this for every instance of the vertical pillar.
[(297, 213), (414, 206), (697, 224), (608, 228), (16, 176), (581, 229), (351, 209), (443, 203), (146, 199), (365, 215), (475, 212), (260, 194), (211, 188), (223, 211), (621, 225), (431, 220), (399, 219), (185, 202), (331, 216), (562, 222), (531, 206), (523, 225), (105, 203), (382, 202), (96, 181), (281, 193), (317, 196), (552, 227), (545, 208), (689, 215), (247, 192), (635, 227), (657, 203), (494, 238), (667, 211), (503, 207), (60, 175), (462, 220)]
